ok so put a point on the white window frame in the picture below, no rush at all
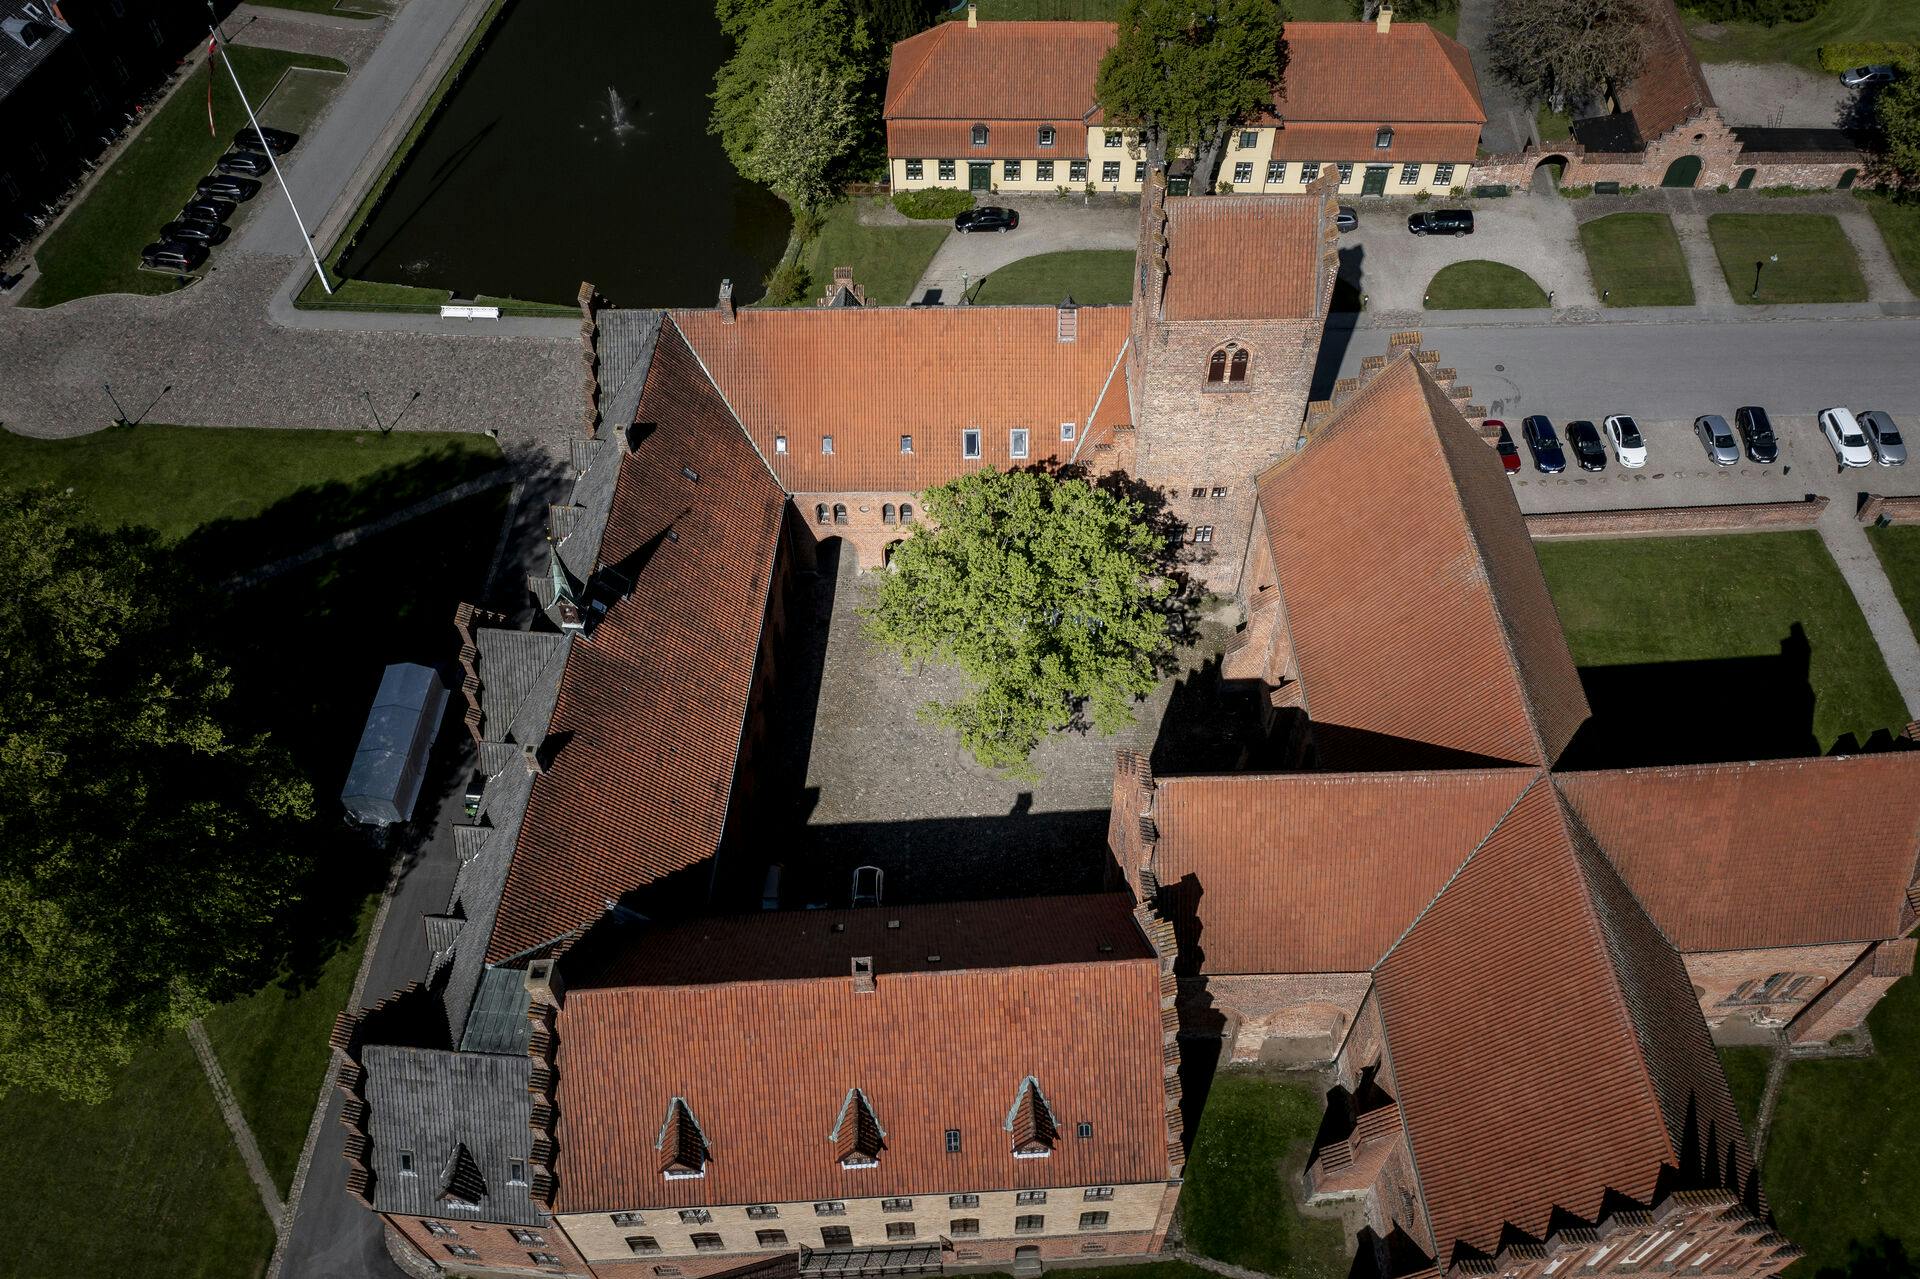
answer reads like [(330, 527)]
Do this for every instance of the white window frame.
[(1309, 170), (779, 444), (826, 445), (1017, 442), (1242, 171), (1443, 173), (1276, 171), (1409, 174), (1067, 431), (1109, 170), (970, 443), (1043, 170), (1045, 135)]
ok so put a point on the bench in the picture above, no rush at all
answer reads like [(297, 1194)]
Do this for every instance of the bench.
[(461, 311)]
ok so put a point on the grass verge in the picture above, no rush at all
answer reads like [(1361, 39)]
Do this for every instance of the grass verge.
[(1662, 628), (1839, 22), (1747, 1078), (1238, 1205), (1898, 546), (1899, 223), (886, 260), (97, 248), (1554, 126), (1806, 257), (1635, 259), (1092, 277), (1481, 285)]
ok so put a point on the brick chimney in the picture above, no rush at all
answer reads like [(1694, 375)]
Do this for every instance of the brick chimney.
[(1383, 19), (973, 15), (1066, 323), (863, 974), (543, 983), (726, 301)]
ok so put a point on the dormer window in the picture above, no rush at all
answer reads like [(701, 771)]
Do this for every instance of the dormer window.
[(1383, 137), (1044, 135), (1030, 1123), (681, 1143), (979, 135), (857, 1136)]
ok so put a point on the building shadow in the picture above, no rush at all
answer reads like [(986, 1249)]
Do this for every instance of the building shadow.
[(1343, 317), (1211, 725)]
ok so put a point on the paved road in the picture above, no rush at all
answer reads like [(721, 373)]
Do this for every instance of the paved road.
[(1509, 116)]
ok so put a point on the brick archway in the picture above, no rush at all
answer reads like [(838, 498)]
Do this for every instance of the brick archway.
[(1683, 172)]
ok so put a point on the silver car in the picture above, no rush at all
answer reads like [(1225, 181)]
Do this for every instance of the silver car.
[(1888, 447), (1859, 77), (1717, 438)]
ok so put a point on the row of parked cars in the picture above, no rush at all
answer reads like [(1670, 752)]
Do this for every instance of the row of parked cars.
[(202, 223), (1857, 440)]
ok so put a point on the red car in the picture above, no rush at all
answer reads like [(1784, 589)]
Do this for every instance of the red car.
[(1509, 452)]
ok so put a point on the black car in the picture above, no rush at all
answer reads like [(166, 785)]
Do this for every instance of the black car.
[(988, 217), (194, 231), (223, 186), (173, 256), (1442, 222), (1757, 432), (1588, 451), (278, 141), (250, 163), (207, 210), (1543, 444)]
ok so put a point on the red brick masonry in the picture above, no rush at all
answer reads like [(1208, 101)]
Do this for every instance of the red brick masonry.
[(1745, 517)]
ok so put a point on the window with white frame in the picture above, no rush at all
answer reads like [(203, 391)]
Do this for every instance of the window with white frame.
[(1139, 170), (762, 1212), (1409, 174), (1031, 1197), (526, 1237), (1243, 171), (906, 444), (1043, 170), (1346, 173), (463, 1252), (1066, 430), (695, 1216), (1276, 170), (1204, 533), (946, 170), (779, 444), (1309, 170), (914, 170), (1109, 170), (830, 1208), (979, 138), (1112, 138), (439, 1228), (1010, 170), (628, 1219), (1017, 442), (1096, 1194), (1044, 135), (826, 444), (1443, 173), (1076, 170), (970, 443)]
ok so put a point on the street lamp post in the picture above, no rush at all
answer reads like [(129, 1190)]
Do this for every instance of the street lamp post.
[(120, 420), (1757, 265)]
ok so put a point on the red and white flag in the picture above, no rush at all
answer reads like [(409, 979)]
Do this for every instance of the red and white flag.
[(213, 50)]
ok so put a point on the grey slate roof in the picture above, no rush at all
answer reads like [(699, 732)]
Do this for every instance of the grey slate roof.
[(17, 30), (498, 1022), (624, 343), (514, 666), (428, 1103)]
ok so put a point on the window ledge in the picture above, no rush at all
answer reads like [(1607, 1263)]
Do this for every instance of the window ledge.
[(1225, 388)]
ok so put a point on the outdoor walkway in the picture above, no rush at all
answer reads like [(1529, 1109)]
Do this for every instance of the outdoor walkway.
[(1709, 281), (1846, 539)]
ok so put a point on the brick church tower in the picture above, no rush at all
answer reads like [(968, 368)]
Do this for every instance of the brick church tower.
[(1230, 295)]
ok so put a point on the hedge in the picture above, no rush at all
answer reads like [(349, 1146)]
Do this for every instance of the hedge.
[(1859, 53), (1764, 12), (933, 204)]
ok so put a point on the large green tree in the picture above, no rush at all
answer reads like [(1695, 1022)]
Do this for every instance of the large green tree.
[(1050, 594), (1897, 111), (817, 35), (806, 123), (1406, 10), (148, 857), (1186, 73), (1567, 51)]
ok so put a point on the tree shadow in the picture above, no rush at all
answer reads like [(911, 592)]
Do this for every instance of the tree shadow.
[(1884, 1256)]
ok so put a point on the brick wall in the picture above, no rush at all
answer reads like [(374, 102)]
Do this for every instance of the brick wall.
[(1847, 1001), (1742, 517), (1297, 1019), (1899, 510), (1718, 977), (1707, 136), (498, 1250), (866, 530)]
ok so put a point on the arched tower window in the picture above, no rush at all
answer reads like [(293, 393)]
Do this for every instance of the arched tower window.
[(1228, 363), (839, 513), (820, 515), (1237, 366), (1217, 366)]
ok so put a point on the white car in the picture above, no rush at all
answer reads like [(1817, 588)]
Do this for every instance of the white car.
[(1844, 434), (1628, 444)]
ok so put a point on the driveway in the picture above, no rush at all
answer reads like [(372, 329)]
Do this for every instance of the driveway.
[(1776, 95), (1533, 233), (1048, 224), (1509, 116)]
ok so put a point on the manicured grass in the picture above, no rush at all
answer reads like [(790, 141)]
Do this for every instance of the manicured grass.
[(1554, 126), (887, 260), (1479, 285), (146, 1183), (1091, 276), (1899, 223), (97, 248), (1898, 546), (1745, 646), (1843, 1163), (1840, 22), (1816, 261), (1238, 1205), (1747, 1078), (1636, 260)]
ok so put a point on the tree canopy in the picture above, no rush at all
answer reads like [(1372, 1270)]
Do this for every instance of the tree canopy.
[(1187, 72), (806, 123), (819, 37), (1897, 111), (1047, 592), (147, 855), (1567, 51)]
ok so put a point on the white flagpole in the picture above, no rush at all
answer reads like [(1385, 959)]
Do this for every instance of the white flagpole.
[(262, 137)]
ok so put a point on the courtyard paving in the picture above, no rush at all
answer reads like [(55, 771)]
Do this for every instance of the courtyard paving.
[(1776, 95), (1538, 235), (1048, 224)]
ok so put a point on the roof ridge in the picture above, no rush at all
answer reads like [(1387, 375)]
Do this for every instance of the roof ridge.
[(935, 35), (1105, 964), (1572, 812)]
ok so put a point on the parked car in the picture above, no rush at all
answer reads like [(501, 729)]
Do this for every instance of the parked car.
[(208, 210), (1628, 444), (1884, 436), (1717, 438), (194, 231), (1347, 219), (1543, 444), (1757, 431), (1843, 433), (1441, 222), (222, 186), (173, 256), (1860, 77), (248, 163), (988, 217), (279, 141), (1588, 452), (1508, 450)]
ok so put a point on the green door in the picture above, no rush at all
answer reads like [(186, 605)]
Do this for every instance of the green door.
[(1683, 172), (979, 176), (1375, 181)]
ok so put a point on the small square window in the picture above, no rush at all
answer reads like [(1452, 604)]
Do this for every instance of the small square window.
[(406, 1164), (896, 1205), (1010, 170), (770, 1238), (1066, 430), (946, 170), (970, 443), (516, 1172), (1243, 171), (914, 170), (1098, 1193), (964, 1226), (826, 444), (1109, 170), (836, 1236), (1409, 174), (1084, 1129), (628, 1219), (1204, 533), (830, 1208), (779, 444), (1442, 174), (1197, 493), (705, 1242), (1346, 173), (1031, 1197), (1044, 135), (1139, 170), (1383, 138), (642, 1245), (695, 1216), (1016, 443), (1111, 138), (1249, 139), (963, 1201), (462, 1251), (1093, 1221), (953, 1141), (1043, 170), (899, 1230), (1309, 171), (762, 1212), (1076, 170), (1029, 1225), (906, 444), (1218, 491), (1276, 170), (439, 1228)]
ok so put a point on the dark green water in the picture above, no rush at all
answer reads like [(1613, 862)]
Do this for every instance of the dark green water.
[(576, 148)]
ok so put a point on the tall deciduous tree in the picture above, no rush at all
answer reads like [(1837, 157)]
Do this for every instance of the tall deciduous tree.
[(147, 858), (769, 34), (1406, 10), (1050, 595), (1897, 111), (806, 123), (1565, 51), (1187, 72)]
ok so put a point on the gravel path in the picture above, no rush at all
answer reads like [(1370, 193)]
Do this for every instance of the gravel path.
[(1776, 95), (1709, 281)]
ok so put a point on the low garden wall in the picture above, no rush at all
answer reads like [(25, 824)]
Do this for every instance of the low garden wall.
[(1705, 137), (1654, 521), (1895, 510)]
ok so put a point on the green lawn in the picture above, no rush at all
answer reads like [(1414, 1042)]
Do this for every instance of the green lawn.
[(1816, 261), (887, 260), (1554, 126), (1898, 546), (1480, 285), (1091, 276), (1636, 260), (1899, 224), (1843, 1163), (1238, 1205), (1840, 22), (1747, 1077), (97, 248), (1662, 628)]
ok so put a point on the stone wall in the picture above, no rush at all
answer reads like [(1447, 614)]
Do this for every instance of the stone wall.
[(1719, 977), (1706, 136), (1651, 521)]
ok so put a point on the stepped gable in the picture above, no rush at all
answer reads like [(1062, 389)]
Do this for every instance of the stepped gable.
[(1792, 852), (1437, 645), (636, 771), (931, 1045), (866, 376)]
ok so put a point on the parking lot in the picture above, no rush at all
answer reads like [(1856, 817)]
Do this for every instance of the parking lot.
[(1392, 266)]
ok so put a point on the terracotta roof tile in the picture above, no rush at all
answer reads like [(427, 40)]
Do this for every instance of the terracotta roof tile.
[(1435, 629), (1671, 88), (1412, 143), (1791, 852), (1243, 257), (1413, 73), (868, 375), (1006, 140), (652, 700)]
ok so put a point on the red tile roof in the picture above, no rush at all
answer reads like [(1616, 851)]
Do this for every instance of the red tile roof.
[(766, 1067), (1434, 628), (1243, 257), (1412, 143), (653, 699), (1314, 872), (1791, 852), (1006, 140), (1671, 89), (867, 376), (1411, 74)]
